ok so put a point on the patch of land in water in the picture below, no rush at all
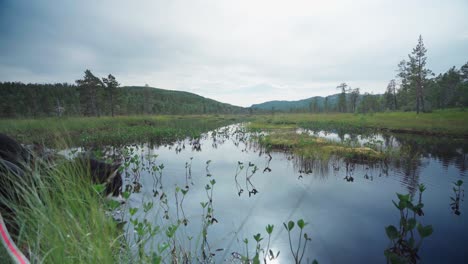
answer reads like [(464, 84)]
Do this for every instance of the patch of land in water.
[(316, 148)]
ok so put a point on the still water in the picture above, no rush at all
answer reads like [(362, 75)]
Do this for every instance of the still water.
[(346, 219)]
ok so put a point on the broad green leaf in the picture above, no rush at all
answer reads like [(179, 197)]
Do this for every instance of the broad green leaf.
[(425, 231), (99, 188), (403, 197), (269, 229), (258, 237), (301, 223), (422, 188), (392, 232), (132, 211), (126, 195), (113, 204)]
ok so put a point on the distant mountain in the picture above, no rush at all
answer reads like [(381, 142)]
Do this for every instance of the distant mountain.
[(297, 105)]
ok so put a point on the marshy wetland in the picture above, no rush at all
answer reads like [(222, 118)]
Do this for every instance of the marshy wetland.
[(224, 189)]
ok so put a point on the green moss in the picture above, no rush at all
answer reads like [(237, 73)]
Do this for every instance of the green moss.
[(317, 148)]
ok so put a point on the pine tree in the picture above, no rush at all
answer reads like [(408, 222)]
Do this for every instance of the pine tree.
[(353, 99), (342, 97), (464, 73), (405, 93), (111, 88), (390, 95), (89, 88), (418, 72), (325, 105)]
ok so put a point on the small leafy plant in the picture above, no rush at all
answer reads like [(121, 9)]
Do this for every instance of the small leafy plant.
[(297, 252), (404, 245), (459, 195)]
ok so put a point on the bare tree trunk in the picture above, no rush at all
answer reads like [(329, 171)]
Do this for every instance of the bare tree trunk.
[(417, 103), (112, 104), (422, 99)]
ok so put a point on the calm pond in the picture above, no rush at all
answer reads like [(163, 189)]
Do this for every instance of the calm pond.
[(347, 219)]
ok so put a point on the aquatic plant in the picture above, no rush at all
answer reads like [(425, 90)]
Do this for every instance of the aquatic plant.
[(459, 195), (188, 173), (298, 252), (267, 254), (404, 244), (250, 170)]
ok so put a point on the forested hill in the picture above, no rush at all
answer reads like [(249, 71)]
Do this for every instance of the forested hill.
[(39, 100), (299, 105), (178, 102)]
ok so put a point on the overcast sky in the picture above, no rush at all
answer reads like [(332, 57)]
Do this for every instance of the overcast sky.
[(239, 52)]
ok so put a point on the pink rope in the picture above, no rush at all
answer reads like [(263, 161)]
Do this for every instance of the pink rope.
[(10, 246)]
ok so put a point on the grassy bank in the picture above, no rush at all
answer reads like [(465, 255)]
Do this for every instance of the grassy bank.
[(444, 122), (282, 134), (84, 131), (60, 216)]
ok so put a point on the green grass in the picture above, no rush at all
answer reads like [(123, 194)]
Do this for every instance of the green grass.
[(84, 131), (443, 122), (61, 217), (316, 148), (282, 132)]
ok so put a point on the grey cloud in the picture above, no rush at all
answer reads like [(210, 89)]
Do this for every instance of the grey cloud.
[(229, 49)]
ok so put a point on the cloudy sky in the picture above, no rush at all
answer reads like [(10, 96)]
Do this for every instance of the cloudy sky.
[(239, 52)]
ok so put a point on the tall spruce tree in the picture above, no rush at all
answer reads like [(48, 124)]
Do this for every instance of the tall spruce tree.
[(342, 97), (405, 95), (390, 95), (111, 88), (325, 105), (418, 72), (353, 99), (464, 73)]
